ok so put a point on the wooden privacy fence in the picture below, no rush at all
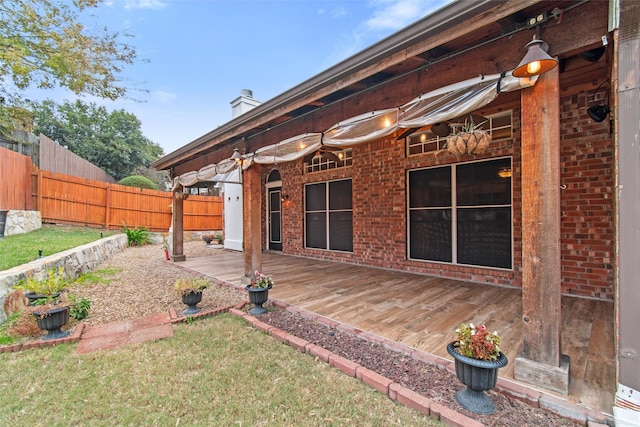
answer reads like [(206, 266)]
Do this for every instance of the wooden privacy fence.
[(65, 199), (15, 180)]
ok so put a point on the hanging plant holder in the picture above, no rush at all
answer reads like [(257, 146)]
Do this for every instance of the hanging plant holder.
[(473, 143)]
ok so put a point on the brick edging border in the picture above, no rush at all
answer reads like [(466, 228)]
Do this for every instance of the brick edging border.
[(575, 412), (73, 338)]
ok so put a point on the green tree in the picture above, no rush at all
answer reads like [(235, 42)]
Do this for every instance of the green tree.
[(43, 45), (138, 181), (110, 140)]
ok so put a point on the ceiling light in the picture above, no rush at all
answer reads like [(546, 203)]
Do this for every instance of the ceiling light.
[(504, 172)]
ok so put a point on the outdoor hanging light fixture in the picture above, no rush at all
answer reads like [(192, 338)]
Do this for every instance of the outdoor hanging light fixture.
[(504, 172), (599, 112), (236, 156), (536, 61)]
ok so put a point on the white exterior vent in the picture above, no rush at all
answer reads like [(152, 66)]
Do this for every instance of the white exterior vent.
[(243, 103)]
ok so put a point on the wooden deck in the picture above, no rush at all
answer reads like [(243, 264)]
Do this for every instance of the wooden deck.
[(423, 312)]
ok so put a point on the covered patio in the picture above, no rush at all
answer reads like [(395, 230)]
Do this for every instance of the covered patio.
[(423, 312)]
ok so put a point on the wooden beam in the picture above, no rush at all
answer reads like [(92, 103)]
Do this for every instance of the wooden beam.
[(251, 187), (541, 315), (177, 248)]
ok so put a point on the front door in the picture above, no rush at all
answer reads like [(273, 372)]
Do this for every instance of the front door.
[(275, 218)]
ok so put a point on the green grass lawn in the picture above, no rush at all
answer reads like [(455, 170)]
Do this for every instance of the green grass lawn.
[(22, 248), (213, 372)]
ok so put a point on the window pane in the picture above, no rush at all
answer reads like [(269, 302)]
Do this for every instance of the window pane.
[(430, 235), (484, 237), (430, 187), (316, 232), (341, 231), (274, 233), (316, 199), (340, 195), (479, 183), (274, 200)]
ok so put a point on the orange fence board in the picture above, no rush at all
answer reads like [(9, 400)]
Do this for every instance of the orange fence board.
[(15, 170)]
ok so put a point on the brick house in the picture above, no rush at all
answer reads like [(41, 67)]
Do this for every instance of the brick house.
[(543, 208)]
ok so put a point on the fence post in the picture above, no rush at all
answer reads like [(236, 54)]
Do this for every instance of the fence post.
[(28, 202), (107, 213), (40, 190)]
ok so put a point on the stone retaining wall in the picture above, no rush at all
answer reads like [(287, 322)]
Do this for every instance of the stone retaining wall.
[(21, 222), (74, 261)]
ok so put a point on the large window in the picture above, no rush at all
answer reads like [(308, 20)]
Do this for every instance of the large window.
[(329, 216), (462, 214)]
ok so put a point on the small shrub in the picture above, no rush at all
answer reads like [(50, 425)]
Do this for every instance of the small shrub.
[(139, 236), (186, 286), (54, 283), (79, 307), (138, 181)]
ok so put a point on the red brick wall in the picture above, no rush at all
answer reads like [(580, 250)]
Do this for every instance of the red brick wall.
[(379, 206), (587, 202)]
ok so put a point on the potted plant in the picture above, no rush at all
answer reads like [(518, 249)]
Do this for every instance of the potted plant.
[(477, 359), (469, 139), (165, 248), (45, 288), (190, 289), (259, 292), (208, 238)]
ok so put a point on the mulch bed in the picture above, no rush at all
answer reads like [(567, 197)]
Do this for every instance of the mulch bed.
[(426, 379)]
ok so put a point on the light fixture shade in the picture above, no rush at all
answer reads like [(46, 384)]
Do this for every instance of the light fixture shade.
[(442, 129), (537, 61), (236, 154), (598, 112)]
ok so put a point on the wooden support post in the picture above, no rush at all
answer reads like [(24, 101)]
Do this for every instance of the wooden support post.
[(251, 188), (541, 362), (177, 249)]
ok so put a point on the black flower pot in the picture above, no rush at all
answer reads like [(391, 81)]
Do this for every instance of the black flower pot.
[(191, 299), (258, 296), (32, 297), (52, 320), (479, 376)]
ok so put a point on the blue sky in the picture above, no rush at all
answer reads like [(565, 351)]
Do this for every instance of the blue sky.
[(199, 54)]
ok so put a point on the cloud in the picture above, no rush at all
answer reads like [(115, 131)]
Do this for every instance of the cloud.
[(163, 96), (144, 4), (396, 14), (338, 12)]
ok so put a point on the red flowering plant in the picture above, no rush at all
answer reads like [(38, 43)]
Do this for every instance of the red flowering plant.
[(477, 342)]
